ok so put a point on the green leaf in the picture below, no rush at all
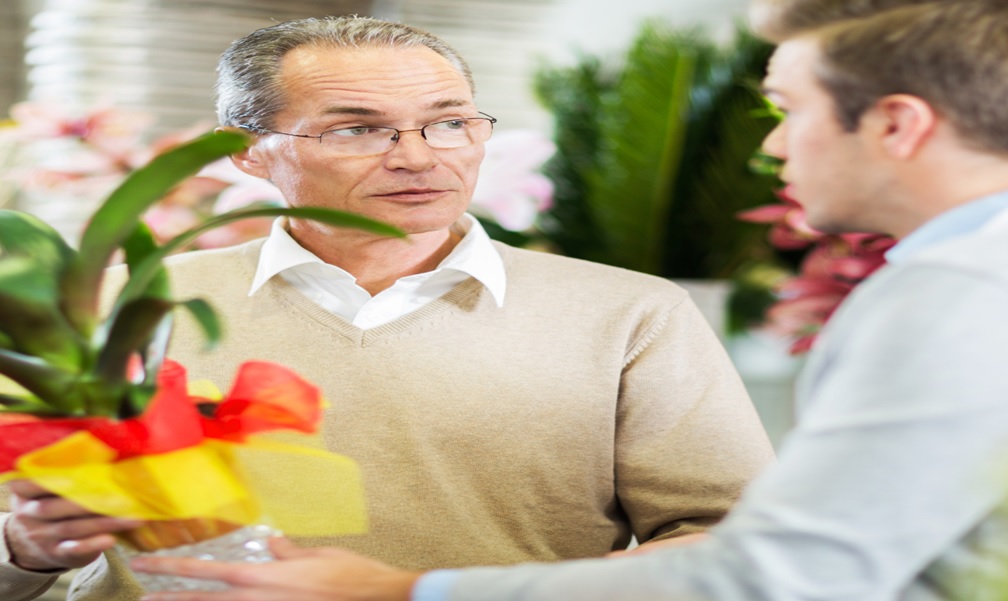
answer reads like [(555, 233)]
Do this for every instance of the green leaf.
[(131, 330), (49, 383), (117, 217), (705, 237), (29, 314), (29, 405), (138, 246), (25, 235), (207, 319), (574, 97), (651, 171), (147, 269), (643, 128), (143, 327)]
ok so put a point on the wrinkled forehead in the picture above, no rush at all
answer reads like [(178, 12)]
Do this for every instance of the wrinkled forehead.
[(380, 67), (388, 57)]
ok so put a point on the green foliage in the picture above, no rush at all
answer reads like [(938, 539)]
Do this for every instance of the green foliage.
[(54, 343), (653, 156)]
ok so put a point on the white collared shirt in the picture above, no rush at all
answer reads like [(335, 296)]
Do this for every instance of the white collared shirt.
[(336, 290)]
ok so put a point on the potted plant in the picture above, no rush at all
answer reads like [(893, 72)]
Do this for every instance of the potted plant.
[(653, 155), (92, 410)]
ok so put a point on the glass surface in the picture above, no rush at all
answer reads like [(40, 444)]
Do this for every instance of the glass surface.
[(247, 544)]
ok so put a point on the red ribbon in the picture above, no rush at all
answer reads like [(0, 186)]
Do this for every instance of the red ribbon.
[(264, 397)]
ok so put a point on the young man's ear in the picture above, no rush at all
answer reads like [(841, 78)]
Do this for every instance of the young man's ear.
[(903, 123), (248, 159)]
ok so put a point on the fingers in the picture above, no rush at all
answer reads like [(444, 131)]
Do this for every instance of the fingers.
[(190, 568), (47, 508), (79, 553), (41, 546), (26, 489), (283, 548), (46, 532)]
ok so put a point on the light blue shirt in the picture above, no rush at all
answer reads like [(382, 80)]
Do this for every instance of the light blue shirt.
[(953, 223), (841, 569)]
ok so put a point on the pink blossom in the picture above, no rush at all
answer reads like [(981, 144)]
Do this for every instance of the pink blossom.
[(168, 221), (834, 265), (511, 189), (112, 131), (789, 230), (86, 156)]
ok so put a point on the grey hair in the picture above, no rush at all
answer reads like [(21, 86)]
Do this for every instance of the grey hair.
[(249, 90)]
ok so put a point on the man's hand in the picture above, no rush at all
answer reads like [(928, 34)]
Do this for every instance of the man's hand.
[(324, 574), (46, 532)]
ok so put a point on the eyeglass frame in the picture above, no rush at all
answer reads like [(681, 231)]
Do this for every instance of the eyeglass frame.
[(396, 137)]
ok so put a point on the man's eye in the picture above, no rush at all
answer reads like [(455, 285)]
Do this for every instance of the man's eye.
[(355, 132), (450, 125)]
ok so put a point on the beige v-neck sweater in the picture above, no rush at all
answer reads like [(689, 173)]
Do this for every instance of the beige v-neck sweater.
[(595, 404)]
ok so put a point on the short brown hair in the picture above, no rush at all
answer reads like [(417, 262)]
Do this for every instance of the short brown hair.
[(778, 20), (953, 55), (249, 91)]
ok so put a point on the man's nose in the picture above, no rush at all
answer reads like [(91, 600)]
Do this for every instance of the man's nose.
[(411, 152), (773, 143)]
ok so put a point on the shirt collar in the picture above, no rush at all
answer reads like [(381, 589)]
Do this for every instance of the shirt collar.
[(474, 255), (953, 223)]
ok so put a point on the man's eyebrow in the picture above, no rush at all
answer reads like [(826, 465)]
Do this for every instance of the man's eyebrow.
[(352, 110), (366, 112), (448, 104)]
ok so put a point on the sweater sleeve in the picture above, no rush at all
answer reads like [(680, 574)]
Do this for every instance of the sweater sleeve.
[(688, 439), (17, 584)]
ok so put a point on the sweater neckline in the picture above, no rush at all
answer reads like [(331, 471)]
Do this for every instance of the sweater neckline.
[(462, 297)]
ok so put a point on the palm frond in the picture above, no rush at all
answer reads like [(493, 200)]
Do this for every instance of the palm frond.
[(643, 133)]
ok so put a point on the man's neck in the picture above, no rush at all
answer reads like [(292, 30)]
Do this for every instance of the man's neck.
[(378, 262)]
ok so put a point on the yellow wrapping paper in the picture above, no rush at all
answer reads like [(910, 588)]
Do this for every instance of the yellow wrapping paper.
[(253, 482)]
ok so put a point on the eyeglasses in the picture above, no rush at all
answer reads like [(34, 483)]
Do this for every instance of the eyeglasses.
[(365, 140)]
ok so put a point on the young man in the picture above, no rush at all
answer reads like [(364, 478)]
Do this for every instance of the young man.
[(891, 486), (503, 405)]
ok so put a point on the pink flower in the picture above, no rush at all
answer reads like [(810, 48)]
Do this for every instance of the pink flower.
[(168, 221), (111, 131), (511, 189), (834, 265), (789, 230)]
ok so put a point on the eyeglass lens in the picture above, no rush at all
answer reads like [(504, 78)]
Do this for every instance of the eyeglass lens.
[(455, 133)]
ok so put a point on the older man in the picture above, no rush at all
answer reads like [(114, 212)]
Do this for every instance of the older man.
[(892, 485), (504, 405)]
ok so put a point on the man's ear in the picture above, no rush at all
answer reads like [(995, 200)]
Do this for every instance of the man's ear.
[(248, 160), (903, 124)]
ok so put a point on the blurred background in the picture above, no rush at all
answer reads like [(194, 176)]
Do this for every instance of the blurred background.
[(160, 54)]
